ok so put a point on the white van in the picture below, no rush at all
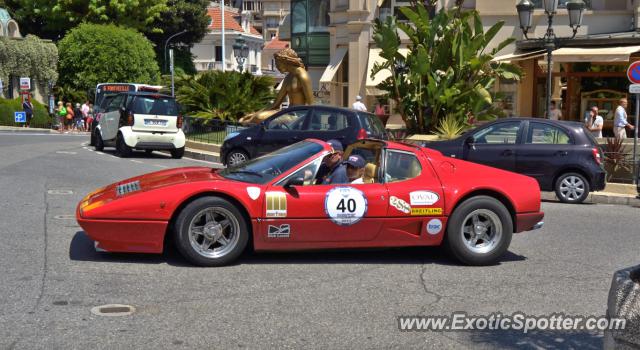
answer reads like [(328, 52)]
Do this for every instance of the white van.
[(143, 121)]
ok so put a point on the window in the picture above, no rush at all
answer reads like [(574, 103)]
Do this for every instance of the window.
[(291, 120), (218, 57), (154, 105), (561, 3), (400, 166), (299, 18), (307, 172), (502, 133), (319, 16), (328, 121), (115, 103), (540, 133)]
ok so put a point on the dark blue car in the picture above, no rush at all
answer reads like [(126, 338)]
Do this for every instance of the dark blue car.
[(563, 156)]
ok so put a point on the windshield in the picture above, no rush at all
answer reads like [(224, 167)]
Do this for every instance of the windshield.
[(158, 105), (266, 168)]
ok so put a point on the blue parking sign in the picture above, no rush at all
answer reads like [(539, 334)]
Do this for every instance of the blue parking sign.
[(20, 117)]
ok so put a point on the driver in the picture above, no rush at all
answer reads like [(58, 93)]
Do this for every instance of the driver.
[(332, 170)]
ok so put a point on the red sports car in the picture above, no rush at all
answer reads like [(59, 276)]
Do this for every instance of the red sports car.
[(413, 196)]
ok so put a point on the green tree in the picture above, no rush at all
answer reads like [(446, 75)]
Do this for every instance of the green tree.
[(52, 19), (95, 53), (31, 57), (448, 70), (224, 95)]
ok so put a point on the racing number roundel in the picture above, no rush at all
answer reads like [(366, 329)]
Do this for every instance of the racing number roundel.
[(345, 205)]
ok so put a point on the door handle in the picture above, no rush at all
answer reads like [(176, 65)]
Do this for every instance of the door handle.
[(506, 153), (561, 153)]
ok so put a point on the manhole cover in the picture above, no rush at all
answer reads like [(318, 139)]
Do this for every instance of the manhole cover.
[(113, 310), (60, 192), (65, 217)]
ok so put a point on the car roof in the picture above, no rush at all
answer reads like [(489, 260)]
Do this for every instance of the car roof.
[(396, 145), (146, 93), (566, 123), (333, 108)]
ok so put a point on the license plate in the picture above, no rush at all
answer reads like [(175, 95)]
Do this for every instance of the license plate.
[(155, 122)]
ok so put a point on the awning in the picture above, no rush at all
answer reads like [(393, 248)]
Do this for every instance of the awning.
[(600, 54), (518, 56), (372, 83), (334, 65)]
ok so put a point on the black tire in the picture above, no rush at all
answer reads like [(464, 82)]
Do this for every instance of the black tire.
[(148, 151), (177, 153), (235, 157), (490, 250), (123, 150), (99, 143), (92, 139), (193, 212), (572, 188)]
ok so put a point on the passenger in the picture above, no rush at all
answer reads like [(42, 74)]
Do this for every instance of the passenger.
[(332, 170), (355, 168)]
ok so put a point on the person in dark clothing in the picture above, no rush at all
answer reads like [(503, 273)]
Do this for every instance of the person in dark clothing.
[(27, 107), (332, 170)]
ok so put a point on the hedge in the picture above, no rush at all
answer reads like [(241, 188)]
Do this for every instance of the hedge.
[(40, 118)]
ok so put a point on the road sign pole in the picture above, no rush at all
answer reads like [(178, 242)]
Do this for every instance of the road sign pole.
[(636, 168)]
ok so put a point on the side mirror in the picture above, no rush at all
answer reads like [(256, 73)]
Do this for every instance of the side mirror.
[(294, 181), (469, 140)]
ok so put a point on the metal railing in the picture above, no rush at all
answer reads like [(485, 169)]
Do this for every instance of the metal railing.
[(211, 131)]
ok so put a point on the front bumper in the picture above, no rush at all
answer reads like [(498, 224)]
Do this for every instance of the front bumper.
[(529, 221)]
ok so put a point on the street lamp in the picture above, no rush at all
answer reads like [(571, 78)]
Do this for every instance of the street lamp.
[(167, 43), (241, 51), (551, 41)]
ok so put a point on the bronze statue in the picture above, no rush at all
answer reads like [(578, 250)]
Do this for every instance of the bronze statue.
[(296, 85)]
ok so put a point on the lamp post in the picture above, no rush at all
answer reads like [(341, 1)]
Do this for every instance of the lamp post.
[(167, 43), (551, 41), (241, 51)]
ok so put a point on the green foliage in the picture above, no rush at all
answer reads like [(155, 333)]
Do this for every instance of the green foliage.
[(8, 107), (29, 57), (67, 94), (615, 157), (223, 95), (94, 53), (449, 128), (448, 70), (52, 19)]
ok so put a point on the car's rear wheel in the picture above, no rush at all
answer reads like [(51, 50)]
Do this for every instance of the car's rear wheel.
[(237, 157), (177, 153), (479, 231), (92, 139), (211, 231), (99, 143), (121, 147), (572, 188)]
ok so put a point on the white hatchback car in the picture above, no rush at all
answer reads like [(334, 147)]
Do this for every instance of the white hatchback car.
[(144, 121)]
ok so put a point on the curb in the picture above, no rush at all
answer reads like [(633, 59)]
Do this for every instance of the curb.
[(27, 130), (600, 198), (198, 155)]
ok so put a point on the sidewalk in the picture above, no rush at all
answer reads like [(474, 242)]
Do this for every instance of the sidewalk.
[(21, 129)]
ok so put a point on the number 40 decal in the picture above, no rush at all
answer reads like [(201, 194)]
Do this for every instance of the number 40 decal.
[(345, 205), (351, 205)]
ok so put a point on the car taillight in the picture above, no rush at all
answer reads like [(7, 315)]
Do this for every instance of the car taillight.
[(179, 122), (596, 155), (362, 134), (130, 119)]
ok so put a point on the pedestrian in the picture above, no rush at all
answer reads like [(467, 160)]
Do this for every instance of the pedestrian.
[(554, 113), (358, 105), (68, 118), (78, 122), (85, 114), (595, 122), (27, 107), (620, 123), (90, 117), (61, 112)]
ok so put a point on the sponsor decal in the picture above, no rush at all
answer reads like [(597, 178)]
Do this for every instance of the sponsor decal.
[(282, 231), (423, 198), (345, 205), (434, 226), (400, 204), (426, 211), (254, 192), (276, 204)]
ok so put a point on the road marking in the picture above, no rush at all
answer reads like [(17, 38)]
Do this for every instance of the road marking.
[(65, 152), (65, 217), (136, 161), (99, 152), (160, 166), (60, 192)]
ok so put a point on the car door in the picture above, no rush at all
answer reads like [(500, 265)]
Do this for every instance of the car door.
[(415, 194), (326, 124), (111, 118), (323, 213), (546, 148), (495, 145), (283, 129)]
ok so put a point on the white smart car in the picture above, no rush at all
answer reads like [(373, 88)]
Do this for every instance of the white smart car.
[(143, 121)]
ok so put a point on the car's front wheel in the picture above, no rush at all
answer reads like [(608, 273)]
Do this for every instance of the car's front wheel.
[(236, 157), (177, 153), (479, 231), (211, 231), (99, 143), (572, 188), (121, 147)]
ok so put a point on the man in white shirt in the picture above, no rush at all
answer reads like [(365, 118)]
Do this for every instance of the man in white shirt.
[(595, 122), (620, 123), (355, 168), (554, 113), (358, 105)]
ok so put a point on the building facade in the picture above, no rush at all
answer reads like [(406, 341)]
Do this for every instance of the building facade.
[(268, 15), (208, 53)]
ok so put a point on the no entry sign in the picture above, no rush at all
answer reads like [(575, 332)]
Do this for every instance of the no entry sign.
[(633, 72)]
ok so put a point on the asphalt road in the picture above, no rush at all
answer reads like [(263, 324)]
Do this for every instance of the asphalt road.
[(51, 276)]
